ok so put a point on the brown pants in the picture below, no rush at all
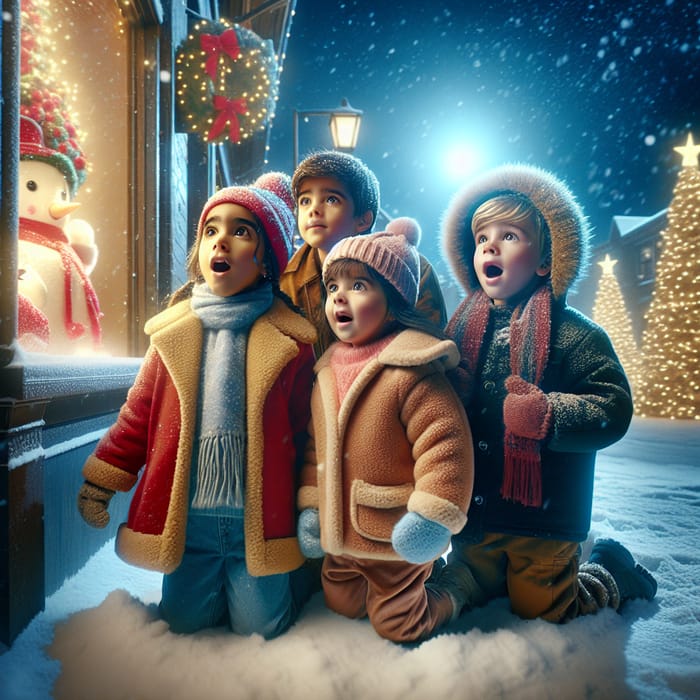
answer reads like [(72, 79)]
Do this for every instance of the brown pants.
[(391, 593), (538, 576)]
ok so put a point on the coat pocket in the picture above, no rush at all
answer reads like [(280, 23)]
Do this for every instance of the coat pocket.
[(374, 510)]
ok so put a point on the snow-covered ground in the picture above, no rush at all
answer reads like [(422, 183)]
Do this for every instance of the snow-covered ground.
[(99, 636)]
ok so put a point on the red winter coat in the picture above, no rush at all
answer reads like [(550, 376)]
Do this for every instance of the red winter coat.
[(156, 427)]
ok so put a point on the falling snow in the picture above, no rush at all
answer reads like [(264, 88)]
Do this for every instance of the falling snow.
[(528, 82)]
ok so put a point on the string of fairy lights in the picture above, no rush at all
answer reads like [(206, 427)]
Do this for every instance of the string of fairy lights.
[(47, 95), (610, 311)]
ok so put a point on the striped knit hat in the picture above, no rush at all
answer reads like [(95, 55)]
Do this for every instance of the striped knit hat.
[(269, 198)]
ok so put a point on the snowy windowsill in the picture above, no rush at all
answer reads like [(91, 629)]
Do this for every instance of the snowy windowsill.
[(73, 386)]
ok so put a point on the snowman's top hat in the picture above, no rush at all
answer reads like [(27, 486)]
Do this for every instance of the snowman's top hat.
[(32, 147)]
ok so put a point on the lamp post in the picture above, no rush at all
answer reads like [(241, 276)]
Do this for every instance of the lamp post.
[(344, 123)]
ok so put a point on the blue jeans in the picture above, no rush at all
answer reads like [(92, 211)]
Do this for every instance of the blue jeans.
[(212, 580)]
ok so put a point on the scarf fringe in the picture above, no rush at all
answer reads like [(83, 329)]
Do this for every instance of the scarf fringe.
[(522, 471), (221, 472)]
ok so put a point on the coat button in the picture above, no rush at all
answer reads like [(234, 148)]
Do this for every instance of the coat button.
[(478, 500), (489, 386), (483, 445)]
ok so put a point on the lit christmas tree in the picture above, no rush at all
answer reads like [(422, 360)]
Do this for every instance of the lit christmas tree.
[(610, 312), (670, 385), (44, 96)]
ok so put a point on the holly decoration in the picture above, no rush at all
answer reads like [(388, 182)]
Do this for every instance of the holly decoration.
[(227, 80)]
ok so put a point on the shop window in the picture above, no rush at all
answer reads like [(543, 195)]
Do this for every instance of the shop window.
[(74, 86)]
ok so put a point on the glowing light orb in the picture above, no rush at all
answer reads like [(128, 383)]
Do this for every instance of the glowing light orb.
[(461, 160)]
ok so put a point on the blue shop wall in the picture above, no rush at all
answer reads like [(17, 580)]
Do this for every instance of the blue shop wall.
[(68, 540)]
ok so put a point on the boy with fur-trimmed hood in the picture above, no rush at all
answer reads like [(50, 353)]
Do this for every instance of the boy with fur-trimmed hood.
[(543, 390), (337, 196)]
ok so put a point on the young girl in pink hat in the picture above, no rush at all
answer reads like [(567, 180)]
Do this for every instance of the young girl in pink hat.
[(388, 473)]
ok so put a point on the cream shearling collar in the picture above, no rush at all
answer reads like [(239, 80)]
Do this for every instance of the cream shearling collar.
[(411, 348)]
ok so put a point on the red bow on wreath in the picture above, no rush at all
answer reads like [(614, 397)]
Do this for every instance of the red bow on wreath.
[(228, 111), (214, 44)]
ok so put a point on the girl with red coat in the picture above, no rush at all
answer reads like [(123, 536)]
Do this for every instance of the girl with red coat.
[(218, 416)]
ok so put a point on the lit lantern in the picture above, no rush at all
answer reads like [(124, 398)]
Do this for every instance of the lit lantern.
[(345, 126)]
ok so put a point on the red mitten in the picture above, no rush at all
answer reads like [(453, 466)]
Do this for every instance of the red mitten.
[(526, 411)]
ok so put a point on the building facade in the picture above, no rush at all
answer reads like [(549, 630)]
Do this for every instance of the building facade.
[(146, 182), (635, 243)]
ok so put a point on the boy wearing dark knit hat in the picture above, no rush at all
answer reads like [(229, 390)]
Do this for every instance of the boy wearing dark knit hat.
[(544, 391), (218, 415), (388, 470), (337, 196)]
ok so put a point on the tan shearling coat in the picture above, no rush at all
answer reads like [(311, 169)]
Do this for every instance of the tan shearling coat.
[(399, 442)]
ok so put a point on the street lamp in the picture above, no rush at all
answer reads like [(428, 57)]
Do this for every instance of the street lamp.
[(344, 123)]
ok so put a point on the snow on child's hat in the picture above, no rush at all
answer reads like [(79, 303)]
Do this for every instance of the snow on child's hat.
[(270, 199), (391, 253)]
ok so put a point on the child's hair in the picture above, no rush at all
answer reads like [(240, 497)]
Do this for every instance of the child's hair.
[(361, 182), (401, 313), (516, 209)]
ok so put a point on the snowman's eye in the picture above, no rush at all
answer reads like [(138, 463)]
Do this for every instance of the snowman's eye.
[(64, 195), (32, 186)]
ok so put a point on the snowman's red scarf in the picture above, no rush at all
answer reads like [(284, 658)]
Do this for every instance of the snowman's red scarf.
[(530, 328), (53, 237)]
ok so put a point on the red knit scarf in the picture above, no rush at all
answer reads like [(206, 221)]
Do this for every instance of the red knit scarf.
[(53, 237), (530, 328)]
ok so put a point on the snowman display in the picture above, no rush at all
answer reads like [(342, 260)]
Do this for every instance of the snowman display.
[(55, 254), (32, 325)]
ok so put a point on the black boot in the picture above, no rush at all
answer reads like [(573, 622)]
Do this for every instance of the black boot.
[(632, 579)]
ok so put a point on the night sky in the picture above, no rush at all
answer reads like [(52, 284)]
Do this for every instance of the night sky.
[(599, 93)]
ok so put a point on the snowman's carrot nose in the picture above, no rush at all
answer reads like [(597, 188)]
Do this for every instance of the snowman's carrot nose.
[(58, 210)]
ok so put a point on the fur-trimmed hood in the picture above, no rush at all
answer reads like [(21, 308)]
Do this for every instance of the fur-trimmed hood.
[(569, 229)]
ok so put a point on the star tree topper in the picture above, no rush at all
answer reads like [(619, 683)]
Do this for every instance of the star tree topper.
[(689, 152), (607, 264)]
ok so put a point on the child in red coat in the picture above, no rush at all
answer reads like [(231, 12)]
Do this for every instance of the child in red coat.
[(218, 416)]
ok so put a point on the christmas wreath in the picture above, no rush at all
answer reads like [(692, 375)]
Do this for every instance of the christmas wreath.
[(226, 81)]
